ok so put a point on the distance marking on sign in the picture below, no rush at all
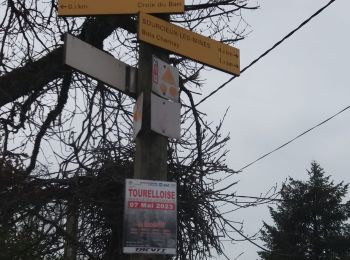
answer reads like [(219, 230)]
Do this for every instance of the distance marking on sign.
[(106, 7), (178, 40)]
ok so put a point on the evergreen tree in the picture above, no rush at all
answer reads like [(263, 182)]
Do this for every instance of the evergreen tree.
[(311, 220)]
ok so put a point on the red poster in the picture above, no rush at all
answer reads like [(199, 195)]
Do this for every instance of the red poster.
[(150, 217)]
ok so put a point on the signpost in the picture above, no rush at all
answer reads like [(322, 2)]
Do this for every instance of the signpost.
[(150, 220), (186, 43), (151, 148), (99, 65), (105, 7)]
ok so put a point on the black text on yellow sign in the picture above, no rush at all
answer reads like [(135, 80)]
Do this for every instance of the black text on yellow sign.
[(105, 7), (186, 43)]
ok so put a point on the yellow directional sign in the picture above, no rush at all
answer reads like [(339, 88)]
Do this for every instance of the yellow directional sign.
[(100, 7), (189, 44)]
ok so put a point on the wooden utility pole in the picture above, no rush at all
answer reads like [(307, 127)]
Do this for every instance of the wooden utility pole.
[(151, 148), (70, 248)]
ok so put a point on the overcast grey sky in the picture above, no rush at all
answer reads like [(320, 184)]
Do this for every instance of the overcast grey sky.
[(298, 85)]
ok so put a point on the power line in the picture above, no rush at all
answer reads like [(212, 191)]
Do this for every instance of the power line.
[(295, 138), (268, 51), (255, 61), (286, 143), (292, 140)]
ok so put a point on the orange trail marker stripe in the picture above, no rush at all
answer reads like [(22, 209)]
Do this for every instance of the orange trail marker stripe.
[(168, 77)]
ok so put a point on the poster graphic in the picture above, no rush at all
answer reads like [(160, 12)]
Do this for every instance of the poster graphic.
[(150, 217)]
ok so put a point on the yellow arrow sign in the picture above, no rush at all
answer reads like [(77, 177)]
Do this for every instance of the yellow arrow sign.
[(189, 44), (100, 7)]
